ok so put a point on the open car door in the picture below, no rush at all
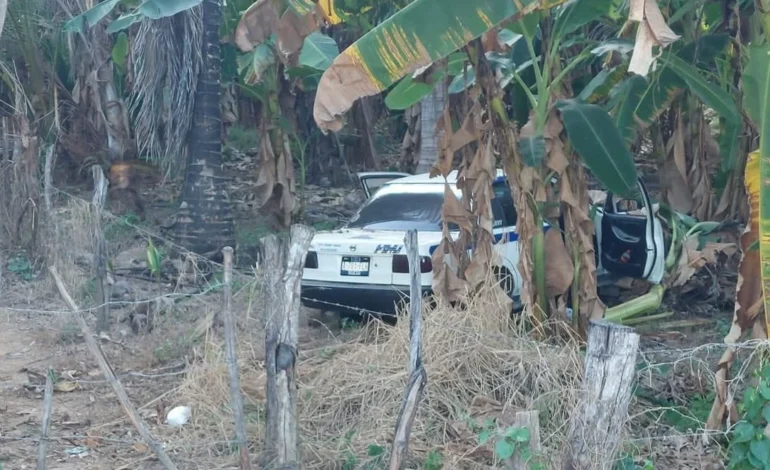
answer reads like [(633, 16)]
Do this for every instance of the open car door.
[(372, 180), (629, 237)]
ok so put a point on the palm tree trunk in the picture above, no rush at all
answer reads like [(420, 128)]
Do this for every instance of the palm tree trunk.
[(205, 220), (432, 109), (3, 10)]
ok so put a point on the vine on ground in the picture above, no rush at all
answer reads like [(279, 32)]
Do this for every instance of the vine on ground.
[(750, 440)]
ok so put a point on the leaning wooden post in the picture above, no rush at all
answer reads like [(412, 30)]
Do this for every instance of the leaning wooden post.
[(109, 374), (417, 376), (47, 407), (100, 252), (284, 259), (596, 427), (232, 362)]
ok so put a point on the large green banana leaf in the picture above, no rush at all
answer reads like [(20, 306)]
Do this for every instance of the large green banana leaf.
[(421, 33), (595, 137), (628, 95), (678, 71)]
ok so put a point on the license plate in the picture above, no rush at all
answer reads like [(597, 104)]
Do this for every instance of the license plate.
[(355, 266)]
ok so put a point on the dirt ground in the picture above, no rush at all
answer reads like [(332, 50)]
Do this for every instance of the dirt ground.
[(89, 430)]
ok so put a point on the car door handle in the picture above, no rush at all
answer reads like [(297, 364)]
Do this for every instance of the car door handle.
[(623, 236)]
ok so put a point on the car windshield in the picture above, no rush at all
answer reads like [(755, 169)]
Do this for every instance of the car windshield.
[(400, 211)]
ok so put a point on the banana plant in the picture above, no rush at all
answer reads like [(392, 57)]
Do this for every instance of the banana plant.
[(752, 296), (757, 104), (282, 49)]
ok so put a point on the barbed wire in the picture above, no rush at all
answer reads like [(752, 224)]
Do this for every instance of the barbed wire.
[(127, 303), (700, 434)]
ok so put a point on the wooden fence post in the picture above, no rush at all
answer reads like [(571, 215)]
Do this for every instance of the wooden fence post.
[(596, 427), (100, 251), (417, 376), (232, 362), (46, 424), (284, 259)]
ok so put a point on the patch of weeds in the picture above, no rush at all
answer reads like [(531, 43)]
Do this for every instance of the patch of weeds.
[(508, 441), (116, 228), (173, 349), (349, 459), (434, 460), (252, 235), (349, 323), (327, 354), (217, 283), (89, 289), (690, 417), (69, 333), (628, 463), (241, 139), (376, 454), (723, 327), (683, 418), (253, 414), (21, 266), (749, 445)]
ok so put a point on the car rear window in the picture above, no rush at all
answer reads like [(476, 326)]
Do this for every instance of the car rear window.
[(401, 211)]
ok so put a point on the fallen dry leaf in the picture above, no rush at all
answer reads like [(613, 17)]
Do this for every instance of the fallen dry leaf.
[(65, 386), (92, 442), (141, 447), (692, 259)]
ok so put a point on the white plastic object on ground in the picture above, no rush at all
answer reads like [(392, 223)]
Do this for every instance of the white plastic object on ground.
[(179, 416)]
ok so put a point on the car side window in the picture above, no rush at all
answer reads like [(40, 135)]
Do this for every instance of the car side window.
[(505, 201)]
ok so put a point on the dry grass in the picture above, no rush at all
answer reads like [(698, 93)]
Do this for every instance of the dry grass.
[(20, 203), (350, 393), (69, 242)]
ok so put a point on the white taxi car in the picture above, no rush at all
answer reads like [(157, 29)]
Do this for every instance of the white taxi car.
[(363, 268)]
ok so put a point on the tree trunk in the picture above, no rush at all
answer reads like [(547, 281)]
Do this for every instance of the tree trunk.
[(597, 425), (205, 220), (285, 256), (3, 10), (430, 140)]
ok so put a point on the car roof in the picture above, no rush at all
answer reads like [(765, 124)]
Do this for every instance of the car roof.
[(424, 178)]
